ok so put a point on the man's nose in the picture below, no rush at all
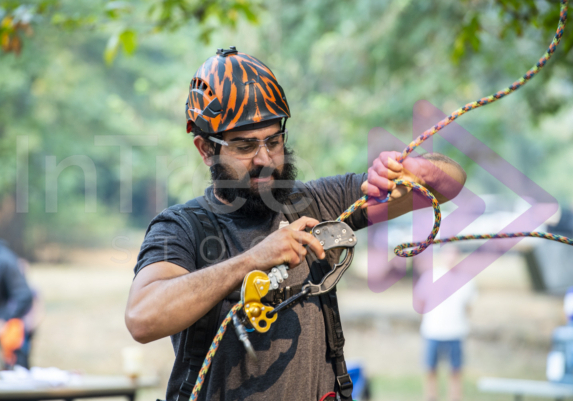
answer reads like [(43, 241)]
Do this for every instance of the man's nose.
[(262, 158)]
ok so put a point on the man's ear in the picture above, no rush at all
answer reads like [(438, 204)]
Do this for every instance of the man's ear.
[(204, 149)]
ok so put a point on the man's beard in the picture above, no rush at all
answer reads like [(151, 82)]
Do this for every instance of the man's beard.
[(275, 193)]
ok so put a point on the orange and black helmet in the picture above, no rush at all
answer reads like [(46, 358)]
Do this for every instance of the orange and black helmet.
[(233, 90)]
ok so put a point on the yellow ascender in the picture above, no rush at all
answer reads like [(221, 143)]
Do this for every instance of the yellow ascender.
[(255, 286)]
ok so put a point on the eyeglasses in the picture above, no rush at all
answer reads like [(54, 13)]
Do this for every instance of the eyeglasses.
[(249, 148)]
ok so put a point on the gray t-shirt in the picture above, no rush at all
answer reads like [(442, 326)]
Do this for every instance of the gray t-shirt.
[(293, 362)]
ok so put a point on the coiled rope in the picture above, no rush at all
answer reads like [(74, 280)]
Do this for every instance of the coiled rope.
[(402, 250), (418, 247)]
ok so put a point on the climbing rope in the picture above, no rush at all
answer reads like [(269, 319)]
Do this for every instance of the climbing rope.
[(213, 349), (401, 250)]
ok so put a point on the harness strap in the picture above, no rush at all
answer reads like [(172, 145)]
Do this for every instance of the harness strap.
[(210, 249), (318, 269), (343, 379)]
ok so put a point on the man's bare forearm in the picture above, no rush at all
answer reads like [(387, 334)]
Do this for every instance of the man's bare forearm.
[(163, 301), (446, 180)]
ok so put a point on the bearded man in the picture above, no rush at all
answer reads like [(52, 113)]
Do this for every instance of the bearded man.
[(237, 112)]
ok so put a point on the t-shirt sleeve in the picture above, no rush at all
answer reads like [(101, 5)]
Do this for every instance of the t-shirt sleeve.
[(169, 238), (335, 194)]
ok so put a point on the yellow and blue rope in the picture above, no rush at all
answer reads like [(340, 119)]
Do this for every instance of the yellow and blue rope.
[(212, 350)]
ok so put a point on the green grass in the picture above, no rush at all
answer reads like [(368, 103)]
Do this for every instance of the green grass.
[(411, 388)]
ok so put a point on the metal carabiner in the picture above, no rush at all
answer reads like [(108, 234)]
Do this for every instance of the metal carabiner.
[(332, 235)]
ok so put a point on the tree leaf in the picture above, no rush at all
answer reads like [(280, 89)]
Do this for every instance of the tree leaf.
[(128, 39), (111, 49)]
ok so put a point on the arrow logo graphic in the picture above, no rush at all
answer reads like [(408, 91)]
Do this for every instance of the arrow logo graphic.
[(383, 274)]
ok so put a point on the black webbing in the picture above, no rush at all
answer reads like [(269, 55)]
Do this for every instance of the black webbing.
[(318, 269), (200, 335)]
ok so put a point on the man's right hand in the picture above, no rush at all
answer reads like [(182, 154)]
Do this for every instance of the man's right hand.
[(287, 246), (166, 299)]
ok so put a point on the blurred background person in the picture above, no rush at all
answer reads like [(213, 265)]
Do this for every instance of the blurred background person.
[(444, 327), (15, 301), (560, 358), (31, 319)]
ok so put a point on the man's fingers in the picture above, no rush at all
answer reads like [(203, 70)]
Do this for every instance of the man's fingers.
[(301, 251), (303, 223), (396, 193), (399, 192), (364, 187), (391, 164), (384, 171), (383, 184), (293, 259), (373, 191), (390, 160), (305, 238), (381, 174), (378, 168)]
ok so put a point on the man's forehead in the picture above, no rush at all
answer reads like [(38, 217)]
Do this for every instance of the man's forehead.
[(260, 133)]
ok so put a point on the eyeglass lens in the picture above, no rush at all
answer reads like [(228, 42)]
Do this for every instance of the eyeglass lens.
[(249, 148)]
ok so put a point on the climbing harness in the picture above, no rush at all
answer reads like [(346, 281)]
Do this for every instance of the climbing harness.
[(200, 215), (335, 235), (252, 312)]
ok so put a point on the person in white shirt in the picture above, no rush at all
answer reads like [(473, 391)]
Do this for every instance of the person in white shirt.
[(444, 326)]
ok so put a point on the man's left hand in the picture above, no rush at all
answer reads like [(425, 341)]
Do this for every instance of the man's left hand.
[(381, 174)]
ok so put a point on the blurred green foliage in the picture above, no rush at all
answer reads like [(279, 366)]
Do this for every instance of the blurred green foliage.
[(124, 20), (516, 17), (346, 67)]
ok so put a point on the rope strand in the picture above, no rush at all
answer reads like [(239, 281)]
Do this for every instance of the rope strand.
[(400, 250), (213, 350)]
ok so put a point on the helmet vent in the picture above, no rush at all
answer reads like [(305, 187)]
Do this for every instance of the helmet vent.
[(198, 83)]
